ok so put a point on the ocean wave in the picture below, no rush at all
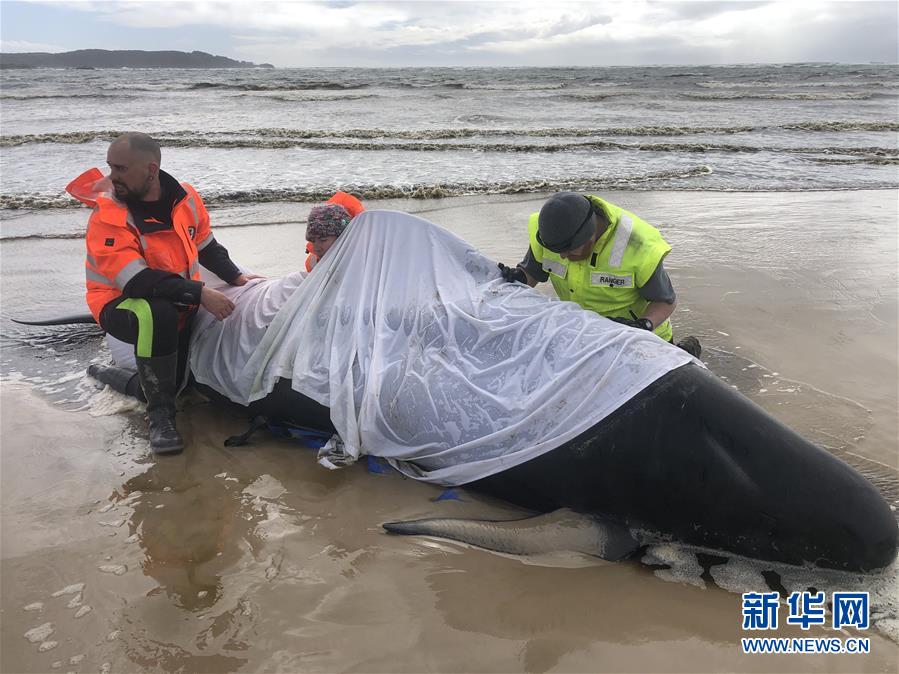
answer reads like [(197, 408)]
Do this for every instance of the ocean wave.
[(791, 96), (287, 86), (382, 145), (722, 147), (472, 132), (37, 202), (761, 84), (513, 87), (80, 137), (26, 237), (408, 191), (476, 86), (35, 97), (525, 148), (874, 161), (589, 98), (203, 139), (841, 126), (479, 119), (305, 98)]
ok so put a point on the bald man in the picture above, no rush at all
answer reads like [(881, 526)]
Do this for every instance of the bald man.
[(145, 239)]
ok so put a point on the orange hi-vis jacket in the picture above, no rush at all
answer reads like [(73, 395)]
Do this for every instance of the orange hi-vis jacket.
[(352, 205), (117, 251)]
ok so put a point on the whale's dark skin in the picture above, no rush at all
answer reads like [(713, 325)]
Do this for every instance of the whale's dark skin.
[(691, 458)]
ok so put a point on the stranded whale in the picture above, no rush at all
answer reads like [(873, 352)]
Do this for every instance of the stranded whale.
[(455, 377)]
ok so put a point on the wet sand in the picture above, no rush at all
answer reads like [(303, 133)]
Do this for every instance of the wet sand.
[(258, 559), (226, 567)]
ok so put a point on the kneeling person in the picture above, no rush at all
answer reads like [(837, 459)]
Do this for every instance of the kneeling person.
[(145, 240), (604, 258)]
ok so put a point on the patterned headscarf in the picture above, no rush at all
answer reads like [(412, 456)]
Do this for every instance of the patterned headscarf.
[(326, 220)]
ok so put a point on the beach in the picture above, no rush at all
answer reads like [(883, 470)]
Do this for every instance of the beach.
[(258, 559), (776, 187)]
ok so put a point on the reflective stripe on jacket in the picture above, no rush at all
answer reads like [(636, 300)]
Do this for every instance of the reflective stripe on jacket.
[(116, 249), (623, 259)]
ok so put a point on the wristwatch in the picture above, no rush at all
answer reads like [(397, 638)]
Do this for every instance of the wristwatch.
[(645, 323)]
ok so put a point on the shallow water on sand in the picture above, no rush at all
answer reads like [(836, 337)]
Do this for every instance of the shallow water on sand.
[(258, 559)]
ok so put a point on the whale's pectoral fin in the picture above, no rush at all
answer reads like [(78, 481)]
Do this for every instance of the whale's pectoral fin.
[(619, 543), (562, 530)]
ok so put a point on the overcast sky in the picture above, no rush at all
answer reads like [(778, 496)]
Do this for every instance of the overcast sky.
[(347, 33)]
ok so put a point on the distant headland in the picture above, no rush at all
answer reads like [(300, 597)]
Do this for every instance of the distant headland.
[(132, 58)]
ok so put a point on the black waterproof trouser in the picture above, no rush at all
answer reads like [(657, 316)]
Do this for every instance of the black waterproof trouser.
[(156, 326)]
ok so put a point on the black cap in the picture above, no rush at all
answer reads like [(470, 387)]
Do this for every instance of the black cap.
[(565, 222)]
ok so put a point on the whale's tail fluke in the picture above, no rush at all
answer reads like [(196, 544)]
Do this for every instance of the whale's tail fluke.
[(561, 530), (64, 320)]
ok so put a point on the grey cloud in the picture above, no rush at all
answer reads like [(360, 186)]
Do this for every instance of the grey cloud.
[(570, 24), (482, 34), (864, 40), (564, 26), (702, 10)]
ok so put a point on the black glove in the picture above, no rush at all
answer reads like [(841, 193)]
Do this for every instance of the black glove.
[(641, 323), (512, 274)]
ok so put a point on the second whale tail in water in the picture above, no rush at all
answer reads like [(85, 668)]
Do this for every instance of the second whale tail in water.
[(64, 320)]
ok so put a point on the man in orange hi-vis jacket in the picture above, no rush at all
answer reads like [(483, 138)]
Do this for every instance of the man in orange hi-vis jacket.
[(145, 239)]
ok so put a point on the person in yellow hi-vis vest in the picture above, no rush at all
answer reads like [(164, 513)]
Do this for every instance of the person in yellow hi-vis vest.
[(604, 258)]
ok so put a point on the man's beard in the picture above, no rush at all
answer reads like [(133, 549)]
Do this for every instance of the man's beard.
[(125, 193)]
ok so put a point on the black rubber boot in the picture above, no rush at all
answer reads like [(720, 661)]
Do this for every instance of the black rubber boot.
[(158, 377), (119, 379), (691, 345)]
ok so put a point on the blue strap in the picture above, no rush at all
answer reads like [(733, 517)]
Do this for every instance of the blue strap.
[(376, 465)]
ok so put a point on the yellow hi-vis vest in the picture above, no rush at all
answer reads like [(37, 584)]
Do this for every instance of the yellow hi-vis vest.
[(623, 260)]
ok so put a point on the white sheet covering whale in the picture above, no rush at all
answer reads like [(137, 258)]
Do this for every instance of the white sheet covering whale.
[(425, 356)]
